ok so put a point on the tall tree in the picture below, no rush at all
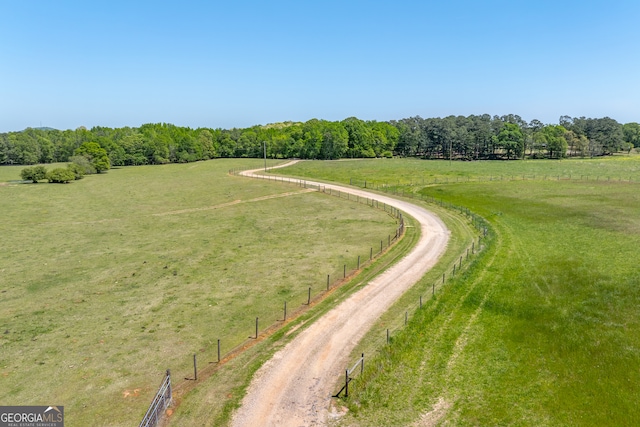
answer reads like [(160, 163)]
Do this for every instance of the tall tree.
[(95, 154), (631, 133), (510, 139)]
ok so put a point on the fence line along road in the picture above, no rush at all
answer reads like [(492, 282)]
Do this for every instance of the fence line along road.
[(294, 387)]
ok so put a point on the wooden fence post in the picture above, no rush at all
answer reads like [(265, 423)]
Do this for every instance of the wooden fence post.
[(218, 351), (346, 383), (195, 369), (256, 328)]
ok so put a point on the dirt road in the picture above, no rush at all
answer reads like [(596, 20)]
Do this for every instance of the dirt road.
[(294, 387)]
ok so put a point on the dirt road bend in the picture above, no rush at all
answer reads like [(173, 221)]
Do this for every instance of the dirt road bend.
[(294, 387)]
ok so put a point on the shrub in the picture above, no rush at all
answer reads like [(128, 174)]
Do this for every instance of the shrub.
[(78, 171), (84, 163), (61, 175), (34, 174)]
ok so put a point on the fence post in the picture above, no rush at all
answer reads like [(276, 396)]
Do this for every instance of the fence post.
[(362, 365), (371, 254), (309, 297), (285, 312), (195, 369), (346, 383), (169, 376), (327, 281), (218, 351), (387, 335), (256, 328)]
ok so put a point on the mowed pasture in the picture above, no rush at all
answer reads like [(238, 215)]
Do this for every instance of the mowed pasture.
[(544, 330), (108, 281)]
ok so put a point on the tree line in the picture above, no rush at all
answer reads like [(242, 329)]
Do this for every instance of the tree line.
[(453, 137)]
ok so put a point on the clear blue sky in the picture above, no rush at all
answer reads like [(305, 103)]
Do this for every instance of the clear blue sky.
[(238, 63)]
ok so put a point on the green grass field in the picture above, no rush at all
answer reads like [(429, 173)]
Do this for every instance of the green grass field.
[(544, 329), (108, 281)]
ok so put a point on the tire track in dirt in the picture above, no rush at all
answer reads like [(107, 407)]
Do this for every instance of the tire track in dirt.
[(232, 203), (294, 387)]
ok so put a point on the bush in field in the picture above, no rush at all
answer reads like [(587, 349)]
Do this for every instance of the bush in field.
[(34, 174), (84, 163), (78, 171), (61, 175)]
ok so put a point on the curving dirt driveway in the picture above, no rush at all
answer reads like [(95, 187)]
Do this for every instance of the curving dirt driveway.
[(294, 387)]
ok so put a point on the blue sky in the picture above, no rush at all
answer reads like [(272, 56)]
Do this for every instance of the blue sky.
[(228, 64)]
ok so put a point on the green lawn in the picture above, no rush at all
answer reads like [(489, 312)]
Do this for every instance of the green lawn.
[(108, 281), (544, 329)]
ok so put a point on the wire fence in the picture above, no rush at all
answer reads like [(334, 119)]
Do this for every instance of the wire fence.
[(225, 349), (426, 181), (454, 269), (395, 325), (398, 189)]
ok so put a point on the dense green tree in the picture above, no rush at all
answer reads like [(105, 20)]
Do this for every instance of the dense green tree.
[(510, 139), (605, 135), (631, 133), (360, 141), (95, 154), (553, 137), (577, 144)]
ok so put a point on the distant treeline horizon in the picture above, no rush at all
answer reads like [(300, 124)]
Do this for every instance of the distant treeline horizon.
[(474, 137)]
